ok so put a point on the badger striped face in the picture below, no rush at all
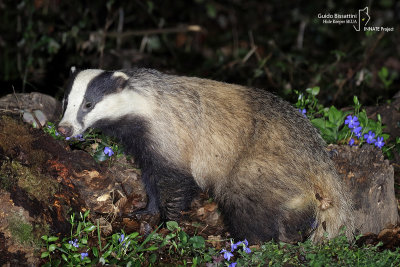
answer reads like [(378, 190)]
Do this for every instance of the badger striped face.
[(94, 95)]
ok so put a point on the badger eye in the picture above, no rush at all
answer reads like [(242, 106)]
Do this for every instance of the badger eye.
[(88, 105)]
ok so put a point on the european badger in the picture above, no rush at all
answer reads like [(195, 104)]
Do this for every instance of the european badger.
[(261, 160)]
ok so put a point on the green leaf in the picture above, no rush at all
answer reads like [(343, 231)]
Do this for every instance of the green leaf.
[(383, 73), (356, 101), (172, 225), (95, 252), (52, 238), (89, 228), (86, 214), (133, 235), (45, 254), (385, 136), (105, 255), (78, 229), (335, 116), (319, 123), (315, 90), (183, 237), (151, 248), (197, 241), (52, 247), (44, 237), (363, 119)]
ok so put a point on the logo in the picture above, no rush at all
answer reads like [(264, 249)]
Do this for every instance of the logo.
[(359, 20), (363, 18)]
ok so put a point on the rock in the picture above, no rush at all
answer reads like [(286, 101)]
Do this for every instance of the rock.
[(37, 108)]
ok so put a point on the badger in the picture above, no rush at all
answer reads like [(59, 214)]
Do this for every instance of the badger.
[(259, 158)]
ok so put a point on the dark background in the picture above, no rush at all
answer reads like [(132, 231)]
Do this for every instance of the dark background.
[(277, 45)]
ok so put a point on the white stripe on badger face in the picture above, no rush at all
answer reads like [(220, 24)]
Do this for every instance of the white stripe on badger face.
[(117, 105), (75, 99)]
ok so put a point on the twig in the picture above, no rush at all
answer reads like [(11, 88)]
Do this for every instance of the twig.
[(16, 97), (300, 36), (249, 54), (203, 229), (189, 28), (266, 70)]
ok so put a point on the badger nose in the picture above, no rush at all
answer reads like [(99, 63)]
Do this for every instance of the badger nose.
[(65, 130)]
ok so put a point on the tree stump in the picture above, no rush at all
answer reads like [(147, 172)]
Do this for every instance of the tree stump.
[(370, 179)]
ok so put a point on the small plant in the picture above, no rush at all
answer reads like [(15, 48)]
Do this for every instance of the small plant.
[(241, 250), (345, 127), (100, 146), (386, 77), (183, 247), (74, 249)]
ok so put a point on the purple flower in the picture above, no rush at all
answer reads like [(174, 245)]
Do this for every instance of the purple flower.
[(247, 250), (233, 264), (235, 246), (246, 242), (227, 254), (84, 255), (74, 243), (352, 121), (80, 137), (67, 138), (369, 137), (357, 131), (108, 151), (303, 111), (379, 143), (351, 142), (122, 238)]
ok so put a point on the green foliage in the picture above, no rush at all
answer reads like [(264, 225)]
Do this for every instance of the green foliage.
[(91, 141), (21, 231), (386, 77), (122, 249), (335, 252), (331, 122), (181, 249)]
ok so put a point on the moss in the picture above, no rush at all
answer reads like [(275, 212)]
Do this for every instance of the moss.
[(37, 186), (7, 180), (21, 231)]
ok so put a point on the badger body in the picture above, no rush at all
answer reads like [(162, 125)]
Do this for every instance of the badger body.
[(261, 160)]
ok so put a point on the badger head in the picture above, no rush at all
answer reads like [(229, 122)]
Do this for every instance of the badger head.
[(93, 95)]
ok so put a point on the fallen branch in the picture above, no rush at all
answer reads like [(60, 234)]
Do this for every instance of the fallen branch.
[(188, 28)]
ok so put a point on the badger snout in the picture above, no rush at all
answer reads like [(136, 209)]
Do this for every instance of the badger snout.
[(65, 130)]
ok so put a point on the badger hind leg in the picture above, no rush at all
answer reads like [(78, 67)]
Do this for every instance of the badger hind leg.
[(249, 217)]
